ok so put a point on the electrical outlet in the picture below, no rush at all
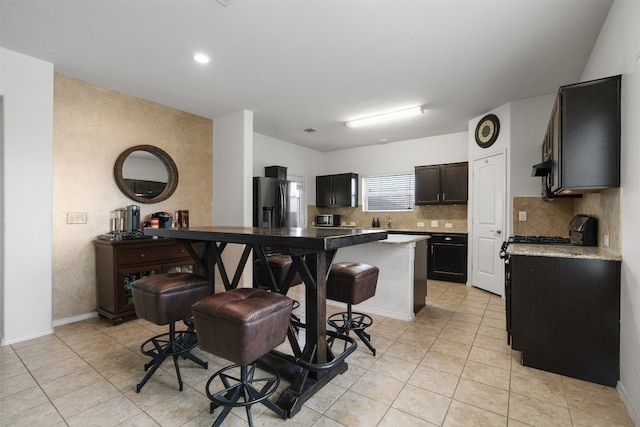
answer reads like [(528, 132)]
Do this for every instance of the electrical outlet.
[(605, 242), (421, 224), (448, 225), (76, 217), (434, 223), (522, 215), (352, 223)]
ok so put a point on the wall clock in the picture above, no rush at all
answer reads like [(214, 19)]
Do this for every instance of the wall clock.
[(487, 130)]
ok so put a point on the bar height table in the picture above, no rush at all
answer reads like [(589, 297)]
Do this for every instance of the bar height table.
[(312, 251)]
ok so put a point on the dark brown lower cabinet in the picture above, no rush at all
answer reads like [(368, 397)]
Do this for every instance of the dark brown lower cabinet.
[(120, 263), (565, 316), (447, 257)]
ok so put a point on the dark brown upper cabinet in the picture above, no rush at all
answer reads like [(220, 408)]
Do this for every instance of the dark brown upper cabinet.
[(584, 132), (333, 191), (441, 184)]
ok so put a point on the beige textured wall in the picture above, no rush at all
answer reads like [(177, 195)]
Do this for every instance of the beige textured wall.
[(92, 126)]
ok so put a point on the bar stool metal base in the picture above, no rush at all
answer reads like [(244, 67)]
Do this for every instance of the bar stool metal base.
[(172, 344), (243, 390), (346, 321)]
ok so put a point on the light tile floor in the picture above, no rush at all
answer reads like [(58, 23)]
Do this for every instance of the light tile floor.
[(449, 367)]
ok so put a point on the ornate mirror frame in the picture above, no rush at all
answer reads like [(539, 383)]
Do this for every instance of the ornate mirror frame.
[(167, 161)]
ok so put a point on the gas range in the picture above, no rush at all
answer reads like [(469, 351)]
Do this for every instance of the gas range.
[(541, 240)]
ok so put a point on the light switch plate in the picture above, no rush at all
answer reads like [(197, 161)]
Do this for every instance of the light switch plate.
[(76, 217), (522, 215), (448, 225), (434, 223), (421, 224)]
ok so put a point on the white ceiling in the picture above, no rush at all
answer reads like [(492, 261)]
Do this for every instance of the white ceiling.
[(301, 64)]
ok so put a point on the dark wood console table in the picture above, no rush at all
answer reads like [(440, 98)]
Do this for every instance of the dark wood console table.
[(120, 263), (312, 252)]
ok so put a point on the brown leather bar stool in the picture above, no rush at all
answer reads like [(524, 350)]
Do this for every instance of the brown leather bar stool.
[(280, 264), (164, 299), (242, 325), (352, 283)]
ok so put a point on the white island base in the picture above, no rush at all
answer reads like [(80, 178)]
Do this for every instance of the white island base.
[(402, 282)]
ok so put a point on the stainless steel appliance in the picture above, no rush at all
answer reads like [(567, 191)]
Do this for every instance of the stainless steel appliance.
[(133, 218), (327, 220), (271, 203)]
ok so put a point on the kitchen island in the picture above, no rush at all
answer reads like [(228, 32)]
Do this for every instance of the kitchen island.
[(402, 282)]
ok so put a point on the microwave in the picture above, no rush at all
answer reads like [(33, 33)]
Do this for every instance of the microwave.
[(327, 220)]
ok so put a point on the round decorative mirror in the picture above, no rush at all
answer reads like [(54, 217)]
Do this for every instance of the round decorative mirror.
[(146, 174)]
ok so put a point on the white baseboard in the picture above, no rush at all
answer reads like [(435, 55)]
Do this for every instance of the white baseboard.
[(74, 319), (635, 417), (31, 336)]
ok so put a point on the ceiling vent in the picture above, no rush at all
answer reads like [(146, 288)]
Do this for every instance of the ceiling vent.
[(310, 130)]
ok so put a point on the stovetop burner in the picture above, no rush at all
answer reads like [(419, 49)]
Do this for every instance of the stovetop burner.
[(541, 240)]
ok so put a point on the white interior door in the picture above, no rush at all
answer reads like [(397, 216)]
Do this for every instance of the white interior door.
[(488, 215)]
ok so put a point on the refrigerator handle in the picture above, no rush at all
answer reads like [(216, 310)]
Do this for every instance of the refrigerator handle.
[(283, 205)]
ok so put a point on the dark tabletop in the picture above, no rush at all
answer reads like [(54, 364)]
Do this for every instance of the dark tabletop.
[(295, 238)]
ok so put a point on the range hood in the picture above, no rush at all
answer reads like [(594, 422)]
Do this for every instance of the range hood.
[(541, 169)]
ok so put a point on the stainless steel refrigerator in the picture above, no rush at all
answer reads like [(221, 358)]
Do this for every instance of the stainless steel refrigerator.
[(272, 204)]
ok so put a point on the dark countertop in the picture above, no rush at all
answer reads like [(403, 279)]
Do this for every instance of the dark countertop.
[(295, 238)]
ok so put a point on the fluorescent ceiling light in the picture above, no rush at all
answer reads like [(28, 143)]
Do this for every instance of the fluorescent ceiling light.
[(413, 111), (201, 58)]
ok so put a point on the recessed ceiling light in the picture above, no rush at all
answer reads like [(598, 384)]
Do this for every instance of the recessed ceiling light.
[(201, 58)]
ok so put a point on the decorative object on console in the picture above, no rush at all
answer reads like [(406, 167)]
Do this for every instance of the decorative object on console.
[(182, 219)]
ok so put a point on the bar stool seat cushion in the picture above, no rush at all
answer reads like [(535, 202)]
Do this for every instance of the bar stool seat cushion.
[(167, 298), (279, 265), (243, 324), (352, 282)]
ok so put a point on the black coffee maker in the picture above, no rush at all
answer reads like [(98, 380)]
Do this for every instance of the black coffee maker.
[(165, 220)]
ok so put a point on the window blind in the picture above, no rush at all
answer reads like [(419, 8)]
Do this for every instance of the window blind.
[(389, 192)]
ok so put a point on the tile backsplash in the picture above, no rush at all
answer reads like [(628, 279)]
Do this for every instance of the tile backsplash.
[(551, 218), (544, 218), (455, 215)]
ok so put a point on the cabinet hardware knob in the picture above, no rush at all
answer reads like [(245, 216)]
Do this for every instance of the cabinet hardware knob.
[(143, 255)]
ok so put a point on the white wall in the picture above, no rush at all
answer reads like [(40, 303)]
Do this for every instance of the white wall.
[(397, 157), (26, 88), (617, 51), (232, 183), (529, 119), (299, 161), (232, 165)]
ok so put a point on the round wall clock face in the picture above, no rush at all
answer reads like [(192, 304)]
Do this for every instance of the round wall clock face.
[(487, 130)]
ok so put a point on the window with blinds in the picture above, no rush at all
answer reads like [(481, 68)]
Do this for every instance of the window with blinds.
[(388, 193)]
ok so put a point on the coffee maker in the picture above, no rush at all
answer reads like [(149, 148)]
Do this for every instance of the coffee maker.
[(133, 218)]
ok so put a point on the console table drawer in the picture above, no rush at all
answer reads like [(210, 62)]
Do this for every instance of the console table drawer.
[(138, 255)]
